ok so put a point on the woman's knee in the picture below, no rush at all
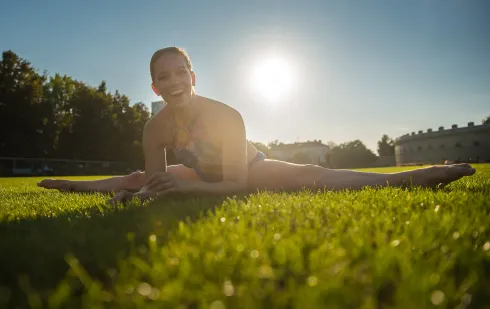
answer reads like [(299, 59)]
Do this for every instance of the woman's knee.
[(182, 171), (280, 175), (310, 172)]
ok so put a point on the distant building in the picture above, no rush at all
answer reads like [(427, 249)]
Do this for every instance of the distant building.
[(466, 144), (156, 106), (311, 152)]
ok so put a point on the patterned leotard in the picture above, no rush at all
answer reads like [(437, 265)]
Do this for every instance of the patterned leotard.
[(194, 149)]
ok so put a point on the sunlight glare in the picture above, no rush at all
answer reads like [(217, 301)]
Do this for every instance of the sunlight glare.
[(272, 79)]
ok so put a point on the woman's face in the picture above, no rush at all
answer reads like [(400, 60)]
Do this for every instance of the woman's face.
[(173, 80)]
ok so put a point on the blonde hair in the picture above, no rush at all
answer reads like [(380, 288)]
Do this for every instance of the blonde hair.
[(167, 50)]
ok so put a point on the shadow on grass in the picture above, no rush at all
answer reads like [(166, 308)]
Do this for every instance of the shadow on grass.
[(37, 248)]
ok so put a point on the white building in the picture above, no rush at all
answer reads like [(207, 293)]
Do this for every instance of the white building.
[(465, 144), (311, 152), (157, 106)]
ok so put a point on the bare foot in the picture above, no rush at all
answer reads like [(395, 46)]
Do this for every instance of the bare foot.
[(59, 184), (437, 176)]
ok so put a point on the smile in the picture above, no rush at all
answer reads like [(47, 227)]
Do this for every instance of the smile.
[(177, 92)]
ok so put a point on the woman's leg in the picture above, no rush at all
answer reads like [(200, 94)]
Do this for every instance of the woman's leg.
[(279, 175), (132, 182)]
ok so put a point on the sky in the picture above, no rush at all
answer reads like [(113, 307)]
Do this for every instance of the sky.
[(358, 69)]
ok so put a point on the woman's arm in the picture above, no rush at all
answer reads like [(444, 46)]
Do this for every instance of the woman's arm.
[(234, 159), (155, 161), (154, 144)]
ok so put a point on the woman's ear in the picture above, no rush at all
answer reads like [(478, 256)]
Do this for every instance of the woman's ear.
[(155, 90), (193, 78)]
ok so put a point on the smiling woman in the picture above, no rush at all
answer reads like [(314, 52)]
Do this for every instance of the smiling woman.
[(209, 139), (272, 79)]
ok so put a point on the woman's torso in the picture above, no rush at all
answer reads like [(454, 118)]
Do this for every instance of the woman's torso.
[(197, 141)]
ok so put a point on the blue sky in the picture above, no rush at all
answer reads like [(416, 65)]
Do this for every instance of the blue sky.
[(361, 68)]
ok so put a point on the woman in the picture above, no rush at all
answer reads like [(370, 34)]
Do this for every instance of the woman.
[(209, 138)]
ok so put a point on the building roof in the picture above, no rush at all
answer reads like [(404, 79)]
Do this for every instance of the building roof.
[(454, 130)]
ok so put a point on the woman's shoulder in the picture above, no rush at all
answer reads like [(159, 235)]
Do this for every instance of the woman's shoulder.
[(160, 118), (160, 124), (218, 109)]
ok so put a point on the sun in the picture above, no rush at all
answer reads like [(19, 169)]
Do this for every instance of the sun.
[(272, 79)]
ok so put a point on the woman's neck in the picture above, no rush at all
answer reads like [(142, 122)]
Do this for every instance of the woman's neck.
[(188, 112)]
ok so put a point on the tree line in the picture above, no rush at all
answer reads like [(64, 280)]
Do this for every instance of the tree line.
[(352, 154), (59, 117)]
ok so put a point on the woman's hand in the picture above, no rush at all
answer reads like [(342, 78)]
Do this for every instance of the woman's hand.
[(162, 183), (126, 196), (121, 197)]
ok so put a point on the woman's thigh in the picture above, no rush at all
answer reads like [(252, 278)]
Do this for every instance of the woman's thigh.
[(182, 171), (280, 175)]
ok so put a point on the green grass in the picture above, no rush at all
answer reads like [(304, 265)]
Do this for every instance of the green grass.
[(386, 248)]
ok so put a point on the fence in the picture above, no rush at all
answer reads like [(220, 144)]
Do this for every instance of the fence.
[(11, 167)]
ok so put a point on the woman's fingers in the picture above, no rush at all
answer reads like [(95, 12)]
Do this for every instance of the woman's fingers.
[(121, 197), (166, 191), (157, 178), (143, 196), (151, 181), (163, 186)]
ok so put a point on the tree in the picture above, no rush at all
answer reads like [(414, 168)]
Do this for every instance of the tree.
[(58, 92), (331, 144), (60, 117), (23, 112), (261, 147), (386, 146), (274, 143), (352, 154), (486, 120)]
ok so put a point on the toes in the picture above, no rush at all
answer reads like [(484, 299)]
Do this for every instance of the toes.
[(464, 169), (439, 176), (457, 172)]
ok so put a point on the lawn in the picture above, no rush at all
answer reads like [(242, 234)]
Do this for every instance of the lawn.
[(384, 248)]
